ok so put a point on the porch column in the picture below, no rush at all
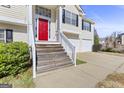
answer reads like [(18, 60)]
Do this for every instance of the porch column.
[(59, 21), (29, 23), (31, 37), (60, 17)]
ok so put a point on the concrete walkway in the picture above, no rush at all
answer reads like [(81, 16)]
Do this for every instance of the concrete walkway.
[(98, 66)]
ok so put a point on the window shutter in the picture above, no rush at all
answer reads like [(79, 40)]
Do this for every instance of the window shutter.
[(90, 27), (76, 20), (82, 24), (63, 15)]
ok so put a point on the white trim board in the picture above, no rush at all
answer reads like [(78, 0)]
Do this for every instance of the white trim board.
[(70, 31)]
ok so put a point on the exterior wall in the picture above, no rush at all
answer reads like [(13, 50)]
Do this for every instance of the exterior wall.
[(83, 35), (82, 45), (19, 32), (15, 12)]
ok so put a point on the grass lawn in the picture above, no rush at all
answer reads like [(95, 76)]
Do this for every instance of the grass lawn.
[(23, 80), (78, 62), (114, 80)]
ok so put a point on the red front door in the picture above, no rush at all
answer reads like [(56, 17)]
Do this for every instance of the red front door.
[(43, 29)]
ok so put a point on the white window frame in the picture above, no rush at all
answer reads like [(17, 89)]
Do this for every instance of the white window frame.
[(4, 33), (86, 26), (37, 26), (43, 11), (71, 18)]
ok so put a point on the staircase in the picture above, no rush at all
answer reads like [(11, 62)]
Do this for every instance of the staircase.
[(51, 57)]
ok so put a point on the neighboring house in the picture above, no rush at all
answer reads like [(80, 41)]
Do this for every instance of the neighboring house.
[(120, 39), (102, 41), (47, 24), (116, 40)]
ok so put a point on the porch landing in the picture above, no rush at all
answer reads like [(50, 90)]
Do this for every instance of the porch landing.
[(47, 42)]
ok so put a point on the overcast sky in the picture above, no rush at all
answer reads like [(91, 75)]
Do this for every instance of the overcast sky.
[(108, 18)]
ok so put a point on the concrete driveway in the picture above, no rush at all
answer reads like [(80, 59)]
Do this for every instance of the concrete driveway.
[(87, 75)]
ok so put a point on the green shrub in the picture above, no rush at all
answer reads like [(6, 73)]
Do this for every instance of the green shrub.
[(14, 58), (96, 48), (107, 50)]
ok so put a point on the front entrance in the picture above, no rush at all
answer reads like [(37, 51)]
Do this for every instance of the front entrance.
[(43, 29)]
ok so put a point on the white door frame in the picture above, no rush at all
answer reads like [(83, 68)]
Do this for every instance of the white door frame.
[(49, 30)]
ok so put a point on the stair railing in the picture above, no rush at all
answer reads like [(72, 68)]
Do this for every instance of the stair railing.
[(69, 47)]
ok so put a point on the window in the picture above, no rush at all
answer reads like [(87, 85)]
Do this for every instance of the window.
[(6, 35), (43, 11), (69, 18), (9, 35), (86, 25), (1, 35)]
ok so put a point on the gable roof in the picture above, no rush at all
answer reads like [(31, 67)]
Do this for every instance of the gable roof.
[(81, 11), (88, 20)]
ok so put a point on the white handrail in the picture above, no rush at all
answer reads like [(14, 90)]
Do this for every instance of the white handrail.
[(69, 47)]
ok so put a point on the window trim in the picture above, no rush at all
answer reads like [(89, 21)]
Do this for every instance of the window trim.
[(3, 39), (43, 11)]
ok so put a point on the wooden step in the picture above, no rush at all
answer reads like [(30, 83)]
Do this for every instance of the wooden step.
[(49, 50), (56, 46), (51, 53), (53, 67), (48, 45), (48, 62), (54, 64), (51, 57)]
